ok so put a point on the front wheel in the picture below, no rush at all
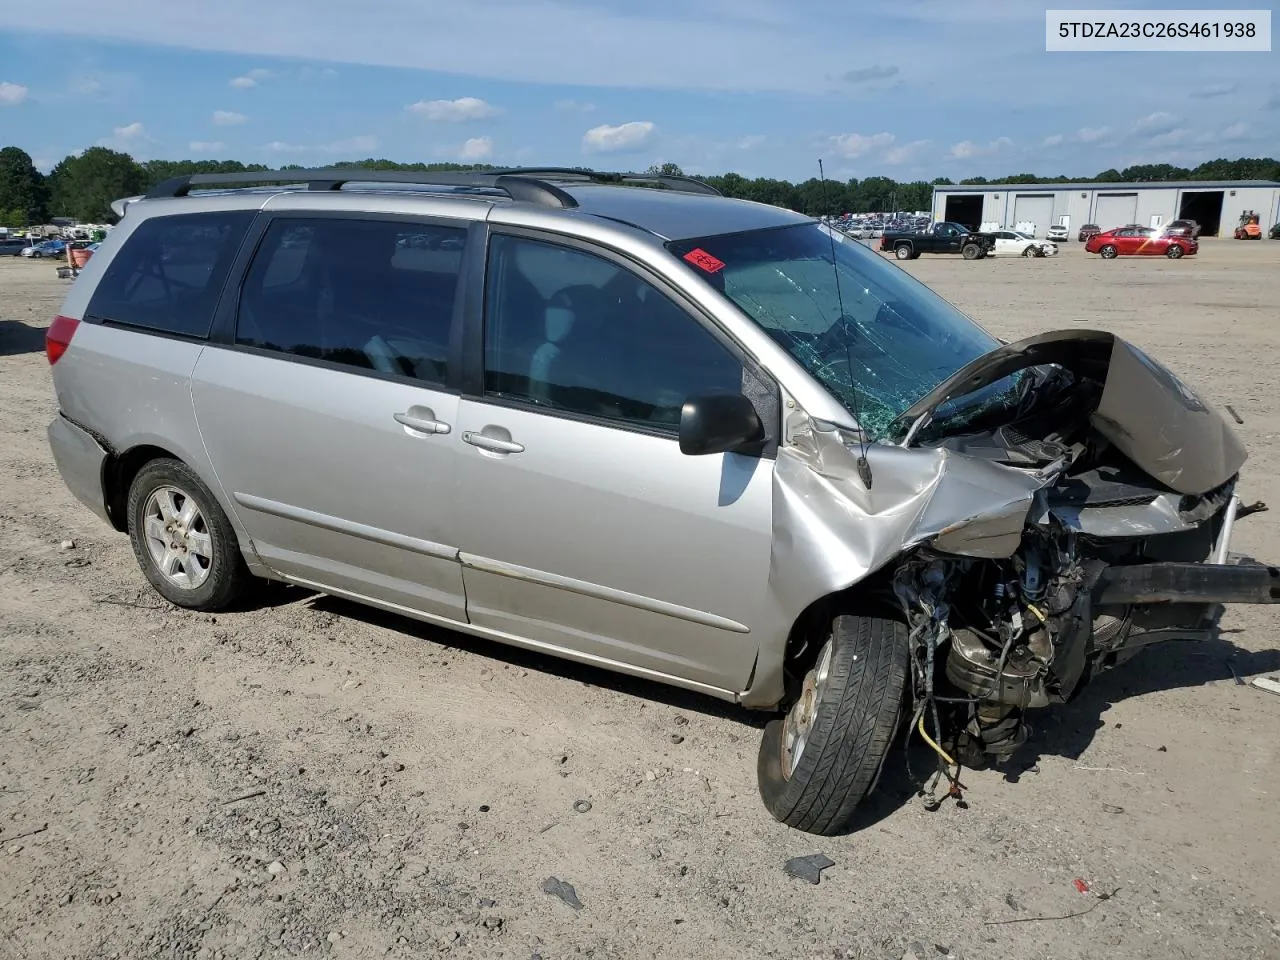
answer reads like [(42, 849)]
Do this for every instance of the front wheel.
[(819, 760), (971, 251), (1029, 252), (182, 539), (1108, 252), (1174, 252)]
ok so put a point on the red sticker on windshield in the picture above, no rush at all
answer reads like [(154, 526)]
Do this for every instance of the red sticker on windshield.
[(700, 258)]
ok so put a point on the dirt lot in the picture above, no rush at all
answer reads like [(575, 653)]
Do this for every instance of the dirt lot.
[(312, 777)]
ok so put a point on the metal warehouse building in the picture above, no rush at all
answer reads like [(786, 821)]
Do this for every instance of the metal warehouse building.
[(1217, 207)]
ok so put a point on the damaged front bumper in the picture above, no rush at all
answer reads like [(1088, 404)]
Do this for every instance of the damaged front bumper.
[(1241, 581)]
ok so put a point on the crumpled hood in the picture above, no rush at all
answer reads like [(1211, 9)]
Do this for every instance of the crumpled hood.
[(1147, 412)]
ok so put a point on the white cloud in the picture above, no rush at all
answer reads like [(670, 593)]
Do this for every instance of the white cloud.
[(85, 86), (1092, 134), (1155, 123), (857, 145), (228, 118), (206, 146), (476, 149), (1055, 140), (1237, 131), (620, 138), (574, 106), (906, 152), (362, 144), (454, 111), (243, 83), (129, 137), (967, 149), (1170, 138), (279, 146), (751, 142), (132, 131), (12, 94)]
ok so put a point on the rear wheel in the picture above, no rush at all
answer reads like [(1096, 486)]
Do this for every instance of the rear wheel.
[(820, 760), (1108, 252), (182, 539), (902, 251)]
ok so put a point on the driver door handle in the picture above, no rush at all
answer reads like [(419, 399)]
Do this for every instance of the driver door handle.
[(492, 444), (422, 425)]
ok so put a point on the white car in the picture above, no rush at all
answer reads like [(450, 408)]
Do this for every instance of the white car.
[(1012, 243), (1059, 234)]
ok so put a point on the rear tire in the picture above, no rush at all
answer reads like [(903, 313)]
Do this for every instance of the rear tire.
[(902, 251), (847, 715), (182, 540), (1108, 252)]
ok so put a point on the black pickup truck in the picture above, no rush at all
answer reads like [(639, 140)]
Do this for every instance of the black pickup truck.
[(940, 238)]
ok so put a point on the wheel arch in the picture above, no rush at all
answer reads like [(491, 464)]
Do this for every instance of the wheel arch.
[(118, 474), (120, 469), (871, 596)]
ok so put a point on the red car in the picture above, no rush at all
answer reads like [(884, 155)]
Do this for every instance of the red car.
[(1140, 242)]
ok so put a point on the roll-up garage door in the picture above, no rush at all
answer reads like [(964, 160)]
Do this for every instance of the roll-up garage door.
[(1115, 210), (1034, 208)]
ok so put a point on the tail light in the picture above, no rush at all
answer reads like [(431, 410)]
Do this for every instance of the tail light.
[(59, 337)]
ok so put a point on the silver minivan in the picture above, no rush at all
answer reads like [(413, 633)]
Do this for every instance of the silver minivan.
[(631, 422)]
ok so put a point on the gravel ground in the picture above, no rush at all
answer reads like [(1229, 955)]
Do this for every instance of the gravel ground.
[(311, 777)]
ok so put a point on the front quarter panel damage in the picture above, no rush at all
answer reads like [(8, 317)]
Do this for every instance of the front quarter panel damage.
[(830, 531)]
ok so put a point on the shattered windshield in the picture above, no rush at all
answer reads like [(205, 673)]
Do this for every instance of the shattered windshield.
[(872, 334)]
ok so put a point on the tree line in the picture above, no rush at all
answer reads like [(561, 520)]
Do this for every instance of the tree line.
[(83, 185)]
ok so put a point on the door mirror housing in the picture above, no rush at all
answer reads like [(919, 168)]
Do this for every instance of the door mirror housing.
[(719, 423)]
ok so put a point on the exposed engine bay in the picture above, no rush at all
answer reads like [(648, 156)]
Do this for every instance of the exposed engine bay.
[(1123, 545)]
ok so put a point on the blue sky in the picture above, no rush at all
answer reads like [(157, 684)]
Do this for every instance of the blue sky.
[(906, 89)]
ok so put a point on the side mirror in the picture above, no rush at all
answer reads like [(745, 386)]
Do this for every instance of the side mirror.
[(719, 423)]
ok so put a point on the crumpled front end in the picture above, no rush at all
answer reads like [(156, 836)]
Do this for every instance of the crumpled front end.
[(1024, 556)]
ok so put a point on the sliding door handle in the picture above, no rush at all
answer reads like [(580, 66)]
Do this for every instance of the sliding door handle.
[(422, 424), (493, 444)]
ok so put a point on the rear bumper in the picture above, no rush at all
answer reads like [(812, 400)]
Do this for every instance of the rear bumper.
[(1245, 581), (79, 458)]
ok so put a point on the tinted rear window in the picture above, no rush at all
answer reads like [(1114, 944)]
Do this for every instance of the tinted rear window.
[(170, 272)]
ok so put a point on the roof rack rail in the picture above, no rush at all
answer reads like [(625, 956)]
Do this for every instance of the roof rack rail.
[(515, 186), (528, 184), (670, 181)]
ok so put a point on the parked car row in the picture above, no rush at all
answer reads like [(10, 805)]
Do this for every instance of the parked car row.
[(19, 247)]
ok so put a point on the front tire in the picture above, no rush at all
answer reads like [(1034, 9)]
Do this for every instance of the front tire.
[(820, 760), (1174, 252), (971, 251), (182, 540)]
